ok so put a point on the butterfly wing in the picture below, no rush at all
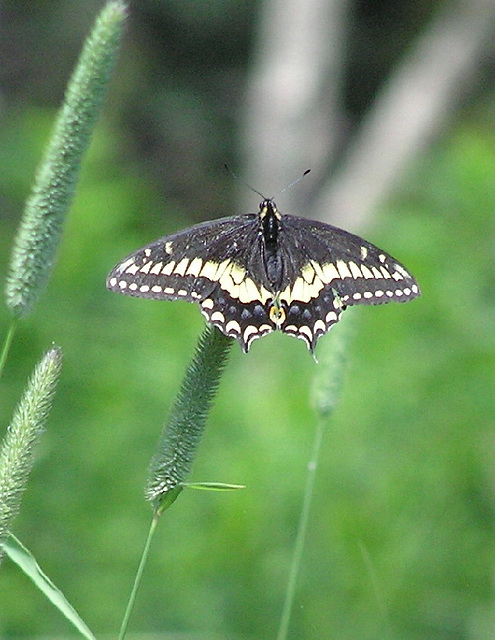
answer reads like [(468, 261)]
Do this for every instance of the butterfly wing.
[(211, 264), (327, 269), (222, 265)]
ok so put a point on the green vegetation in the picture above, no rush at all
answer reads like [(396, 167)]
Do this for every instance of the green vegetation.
[(401, 530), (399, 543)]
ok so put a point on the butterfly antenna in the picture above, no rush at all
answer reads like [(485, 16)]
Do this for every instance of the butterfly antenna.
[(245, 183), (295, 181)]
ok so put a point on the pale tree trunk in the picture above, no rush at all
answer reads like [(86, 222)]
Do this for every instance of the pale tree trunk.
[(292, 119), (415, 104)]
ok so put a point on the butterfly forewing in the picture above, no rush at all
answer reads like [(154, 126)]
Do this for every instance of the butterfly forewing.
[(255, 273)]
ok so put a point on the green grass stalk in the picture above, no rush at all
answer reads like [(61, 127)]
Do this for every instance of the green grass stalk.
[(28, 422), (325, 394), (6, 345), (41, 226), (139, 575), (181, 436), (185, 425)]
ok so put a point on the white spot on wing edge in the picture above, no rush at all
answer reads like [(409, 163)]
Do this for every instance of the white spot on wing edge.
[(303, 335), (217, 316), (249, 332), (306, 331), (401, 270), (123, 266), (233, 327), (265, 328), (319, 326), (290, 328)]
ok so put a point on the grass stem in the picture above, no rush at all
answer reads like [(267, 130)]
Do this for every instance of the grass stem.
[(139, 575), (6, 345)]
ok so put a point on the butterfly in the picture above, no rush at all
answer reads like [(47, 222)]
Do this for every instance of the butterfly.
[(260, 272)]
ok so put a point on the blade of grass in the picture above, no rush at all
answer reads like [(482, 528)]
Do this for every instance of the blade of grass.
[(24, 559), (7, 344), (139, 575), (326, 390)]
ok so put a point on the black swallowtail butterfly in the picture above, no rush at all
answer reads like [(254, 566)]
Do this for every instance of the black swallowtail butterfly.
[(255, 273)]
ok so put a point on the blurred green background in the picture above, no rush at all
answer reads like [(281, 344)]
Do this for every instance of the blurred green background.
[(401, 538)]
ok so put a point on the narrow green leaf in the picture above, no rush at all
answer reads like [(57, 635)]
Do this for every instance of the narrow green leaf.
[(23, 558), (6, 345), (213, 486)]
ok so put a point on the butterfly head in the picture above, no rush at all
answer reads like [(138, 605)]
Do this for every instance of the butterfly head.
[(268, 209)]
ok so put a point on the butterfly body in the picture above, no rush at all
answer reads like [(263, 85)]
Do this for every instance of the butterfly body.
[(259, 272)]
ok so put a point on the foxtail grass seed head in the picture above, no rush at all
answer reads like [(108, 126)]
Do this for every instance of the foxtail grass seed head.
[(332, 359), (28, 422), (185, 425), (41, 226)]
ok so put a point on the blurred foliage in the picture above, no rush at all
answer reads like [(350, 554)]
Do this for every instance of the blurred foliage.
[(400, 543), (180, 86), (402, 524)]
